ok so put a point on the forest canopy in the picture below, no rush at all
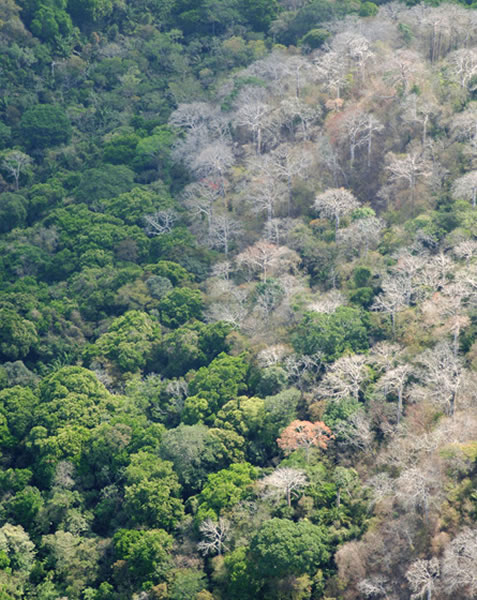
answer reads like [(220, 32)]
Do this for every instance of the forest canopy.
[(238, 299)]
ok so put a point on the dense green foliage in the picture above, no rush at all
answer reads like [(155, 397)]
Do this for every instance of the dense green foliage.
[(224, 223)]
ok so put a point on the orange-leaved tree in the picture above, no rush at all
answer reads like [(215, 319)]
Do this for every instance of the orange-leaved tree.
[(305, 434)]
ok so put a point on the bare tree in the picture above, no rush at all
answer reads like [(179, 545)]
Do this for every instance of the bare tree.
[(292, 5), (418, 488), (372, 128), (303, 370), (422, 576), (465, 188), (266, 257), (289, 162), (344, 378), (437, 273), (353, 130), (437, 25), (222, 269), (466, 249), (213, 161), (441, 373), (214, 534), (409, 168), (284, 481), (464, 127), (272, 355), (455, 298), (355, 49), (355, 433), (420, 110), (195, 116), (374, 587), (223, 230), (200, 198), (274, 69), (463, 64), (202, 124), (276, 230), (230, 307), (266, 194), (402, 66), (328, 161), (394, 297), (160, 222), (328, 302), (294, 111), (385, 356), (294, 68), (361, 235), (335, 203), (331, 70), (16, 163), (254, 113), (395, 381), (458, 565)]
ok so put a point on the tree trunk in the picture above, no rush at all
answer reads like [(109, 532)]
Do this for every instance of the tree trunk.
[(399, 409), (370, 142), (424, 130)]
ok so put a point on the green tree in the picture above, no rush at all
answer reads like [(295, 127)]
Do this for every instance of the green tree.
[(17, 549), (368, 9), (107, 453), (73, 395), (333, 334), (153, 152), (192, 346), (75, 560), (130, 341), (279, 410), (102, 183), (17, 405), (5, 134), (239, 581), (282, 547), (90, 11), (180, 305), (50, 21), (152, 493), (186, 584), (259, 13), (176, 274), (224, 489), (338, 412), (121, 149), (44, 125), (314, 38), (195, 451), (18, 336), (242, 414), (23, 508), (44, 196), (131, 207), (145, 552), (222, 380)]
